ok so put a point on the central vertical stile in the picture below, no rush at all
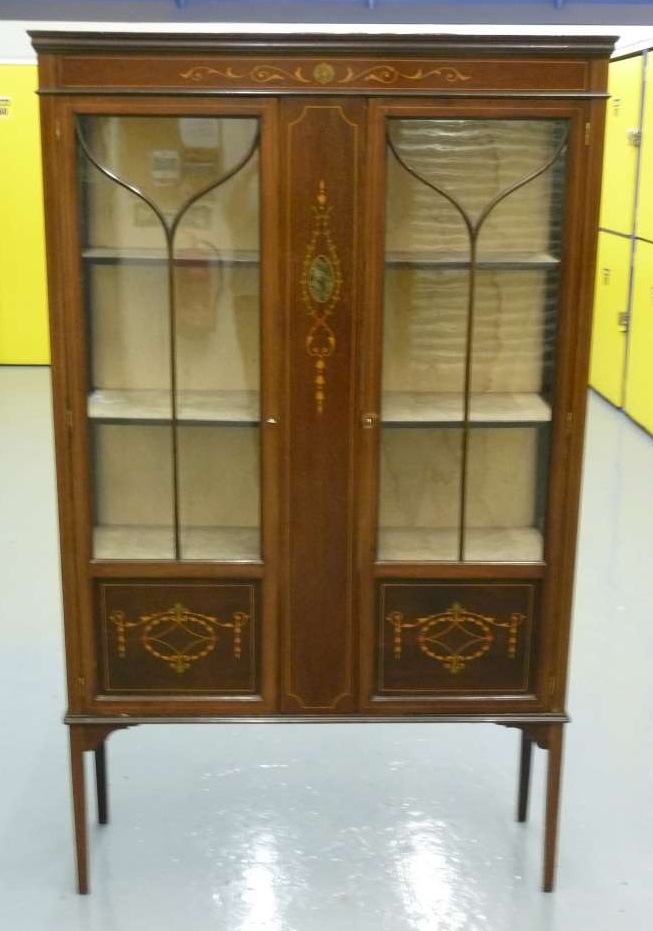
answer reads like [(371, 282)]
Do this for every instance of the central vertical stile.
[(323, 148)]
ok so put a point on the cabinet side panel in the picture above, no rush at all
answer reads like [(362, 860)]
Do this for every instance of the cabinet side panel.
[(54, 222), (573, 353), (321, 228)]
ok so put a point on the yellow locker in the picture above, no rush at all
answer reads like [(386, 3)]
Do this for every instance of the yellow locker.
[(610, 305), (639, 384), (620, 160), (23, 302), (645, 205)]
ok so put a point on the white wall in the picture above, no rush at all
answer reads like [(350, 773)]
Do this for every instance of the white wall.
[(15, 45)]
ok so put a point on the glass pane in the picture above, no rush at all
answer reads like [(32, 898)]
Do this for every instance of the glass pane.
[(129, 374), (512, 348), (170, 219), (504, 502), (217, 313), (424, 335), (419, 516), (474, 212), (132, 479), (219, 492)]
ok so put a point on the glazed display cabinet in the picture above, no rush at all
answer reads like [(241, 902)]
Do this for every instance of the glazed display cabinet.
[(320, 312)]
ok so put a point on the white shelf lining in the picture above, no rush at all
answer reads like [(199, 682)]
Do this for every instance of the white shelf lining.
[(155, 404), (105, 254), (220, 544), (399, 407), (500, 407), (485, 544), (462, 260)]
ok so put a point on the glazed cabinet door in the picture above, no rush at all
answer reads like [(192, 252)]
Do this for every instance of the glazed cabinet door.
[(174, 443), (462, 392)]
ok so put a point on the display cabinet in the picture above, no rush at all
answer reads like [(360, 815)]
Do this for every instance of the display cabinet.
[(320, 312)]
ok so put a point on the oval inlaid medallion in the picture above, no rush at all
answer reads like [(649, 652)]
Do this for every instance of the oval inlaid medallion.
[(321, 279)]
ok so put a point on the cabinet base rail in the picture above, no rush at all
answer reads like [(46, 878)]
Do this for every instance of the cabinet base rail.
[(89, 735)]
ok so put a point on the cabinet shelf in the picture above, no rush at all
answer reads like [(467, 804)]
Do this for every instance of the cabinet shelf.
[(486, 544), (408, 408), (453, 260), (100, 255), (154, 406), (218, 544)]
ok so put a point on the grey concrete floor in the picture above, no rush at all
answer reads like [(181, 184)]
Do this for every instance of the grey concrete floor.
[(323, 828)]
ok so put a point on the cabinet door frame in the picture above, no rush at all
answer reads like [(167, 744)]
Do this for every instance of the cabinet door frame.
[(576, 281), (67, 322)]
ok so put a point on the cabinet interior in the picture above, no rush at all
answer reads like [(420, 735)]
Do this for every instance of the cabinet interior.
[(171, 219)]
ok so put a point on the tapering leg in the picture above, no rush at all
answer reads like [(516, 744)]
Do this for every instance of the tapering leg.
[(554, 746), (79, 805), (101, 783), (524, 776)]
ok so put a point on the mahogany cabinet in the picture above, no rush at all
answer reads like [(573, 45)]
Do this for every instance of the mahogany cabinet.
[(320, 312)]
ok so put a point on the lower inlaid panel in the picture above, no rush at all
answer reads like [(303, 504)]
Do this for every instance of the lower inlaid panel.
[(442, 637), (171, 637)]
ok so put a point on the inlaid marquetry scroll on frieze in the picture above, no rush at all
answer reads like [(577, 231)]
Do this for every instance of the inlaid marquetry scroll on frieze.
[(456, 637), (321, 287), (324, 73), (178, 637)]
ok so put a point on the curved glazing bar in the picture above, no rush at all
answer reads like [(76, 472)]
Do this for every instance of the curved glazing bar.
[(134, 189)]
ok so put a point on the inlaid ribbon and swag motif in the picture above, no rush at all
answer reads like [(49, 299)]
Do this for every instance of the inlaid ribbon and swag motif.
[(456, 637), (176, 636)]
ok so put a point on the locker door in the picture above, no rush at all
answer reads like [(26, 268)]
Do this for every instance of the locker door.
[(610, 302), (645, 205), (23, 302), (639, 383), (620, 160)]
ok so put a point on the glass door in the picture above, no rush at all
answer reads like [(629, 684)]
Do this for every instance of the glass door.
[(474, 216), (170, 255)]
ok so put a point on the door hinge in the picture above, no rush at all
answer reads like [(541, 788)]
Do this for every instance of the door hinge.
[(81, 686), (569, 422), (588, 133), (635, 137), (623, 321), (551, 686), (69, 419), (57, 131)]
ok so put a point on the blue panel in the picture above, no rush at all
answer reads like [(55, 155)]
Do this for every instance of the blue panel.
[(514, 12), (310, 5), (374, 4)]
